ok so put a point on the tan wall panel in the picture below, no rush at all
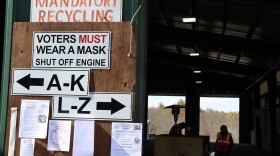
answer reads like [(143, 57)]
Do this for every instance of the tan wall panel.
[(278, 78), (263, 88), (121, 77)]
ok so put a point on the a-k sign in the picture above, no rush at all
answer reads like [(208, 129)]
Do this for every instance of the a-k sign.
[(98, 106), (71, 49), (50, 82)]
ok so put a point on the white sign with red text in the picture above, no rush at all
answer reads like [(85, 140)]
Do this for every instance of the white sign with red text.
[(71, 50), (76, 11)]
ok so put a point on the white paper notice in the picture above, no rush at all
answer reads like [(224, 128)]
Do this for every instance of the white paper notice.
[(59, 135), (13, 128), (126, 139), (34, 116), (83, 138), (27, 147)]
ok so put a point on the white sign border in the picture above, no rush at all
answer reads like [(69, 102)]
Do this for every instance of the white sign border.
[(24, 94), (120, 19), (96, 68), (103, 119)]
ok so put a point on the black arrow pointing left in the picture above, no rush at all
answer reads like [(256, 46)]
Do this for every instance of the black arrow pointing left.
[(114, 106), (26, 81)]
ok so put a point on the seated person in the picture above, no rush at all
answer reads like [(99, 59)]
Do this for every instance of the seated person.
[(224, 142), (177, 129)]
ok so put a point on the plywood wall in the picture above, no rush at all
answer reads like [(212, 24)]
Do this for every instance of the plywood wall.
[(121, 77), (181, 146)]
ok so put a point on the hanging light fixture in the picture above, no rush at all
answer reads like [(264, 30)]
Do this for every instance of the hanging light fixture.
[(197, 71), (194, 54), (189, 20)]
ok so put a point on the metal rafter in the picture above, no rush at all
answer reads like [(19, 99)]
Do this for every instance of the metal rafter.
[(192, 5), (254, 25), (238, 57), (224, 18), (214, 41), (162, 9), (164, 57)]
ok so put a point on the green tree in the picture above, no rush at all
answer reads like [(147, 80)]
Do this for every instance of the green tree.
[(161, 119), (211, 120), (161, 105), (181, 102)]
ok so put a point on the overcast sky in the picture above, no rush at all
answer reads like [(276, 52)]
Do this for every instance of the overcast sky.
[(220, 104)]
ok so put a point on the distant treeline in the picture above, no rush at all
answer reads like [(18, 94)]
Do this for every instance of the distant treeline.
[(211, 120)]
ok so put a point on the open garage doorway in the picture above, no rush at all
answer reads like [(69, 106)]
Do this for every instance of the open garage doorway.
[(160, 118), (215, 112)]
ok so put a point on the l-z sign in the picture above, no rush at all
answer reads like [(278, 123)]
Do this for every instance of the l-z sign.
[(50, 82), (98, 106), (71, 49)]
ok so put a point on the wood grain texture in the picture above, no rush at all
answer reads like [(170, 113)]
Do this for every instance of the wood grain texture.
[(183, 146), (121, 77)]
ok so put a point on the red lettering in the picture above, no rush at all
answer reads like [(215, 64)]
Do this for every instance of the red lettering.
[(82, 39), (51, 16), (42, 15), (97, 38), (68, 14), (85, 16), (74, 15), (53, 2), (115, 3), (109, 18), (74, 4), (92, 38), (103, 38), (56, 16), (99, 16), (106, 2), (96, 4), (64, 2), (83, 3), (41, 3)]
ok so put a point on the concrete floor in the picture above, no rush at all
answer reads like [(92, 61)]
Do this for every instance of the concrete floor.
[(245, 150), (237, 150)]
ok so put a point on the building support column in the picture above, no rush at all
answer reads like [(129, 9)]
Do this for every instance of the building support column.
[(192, 112), (272, 83), (5, 72)]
